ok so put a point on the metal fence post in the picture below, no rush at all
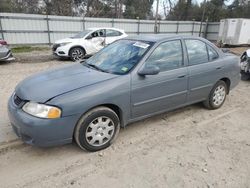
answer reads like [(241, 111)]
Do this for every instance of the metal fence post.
[(83, 24), (138, 26), (1, 27), (177, 27), (48, 30), (159, 26), (205, 31), (112, 22), (193, 28)]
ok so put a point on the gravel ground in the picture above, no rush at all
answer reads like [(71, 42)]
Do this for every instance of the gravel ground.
[(189, 147), (13, 72)]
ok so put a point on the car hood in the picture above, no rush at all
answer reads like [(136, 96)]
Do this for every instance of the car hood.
[(66, 40), (47, 85)]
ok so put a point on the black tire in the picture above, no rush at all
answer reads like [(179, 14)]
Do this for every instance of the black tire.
[(77, 53), (210, 103), (84, 125)]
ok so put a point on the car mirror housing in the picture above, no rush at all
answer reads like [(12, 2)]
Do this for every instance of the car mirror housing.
[(149, 70)]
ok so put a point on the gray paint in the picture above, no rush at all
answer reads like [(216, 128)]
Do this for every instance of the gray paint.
[(77, 89)]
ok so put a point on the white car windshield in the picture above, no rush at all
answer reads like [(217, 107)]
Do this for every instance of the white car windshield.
[(81, 34), (119, 57)]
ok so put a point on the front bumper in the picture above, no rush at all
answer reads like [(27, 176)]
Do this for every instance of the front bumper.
[(8, 57), (60, 51), (41, 132), (245, 66)]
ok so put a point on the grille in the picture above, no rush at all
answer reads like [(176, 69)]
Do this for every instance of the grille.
[(17, 100), (55, 46)]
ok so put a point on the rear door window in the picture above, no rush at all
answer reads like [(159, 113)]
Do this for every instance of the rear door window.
[(197, 51), (212, 53)]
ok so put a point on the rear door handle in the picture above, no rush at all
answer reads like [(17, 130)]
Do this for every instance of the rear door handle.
[(181, 76)]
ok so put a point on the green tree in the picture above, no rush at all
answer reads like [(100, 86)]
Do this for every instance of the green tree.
[(5, 6), (239, 9), (58, 7), (138, 8)]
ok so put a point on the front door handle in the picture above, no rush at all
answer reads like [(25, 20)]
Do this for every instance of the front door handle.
[(218, 68), (181, 76)]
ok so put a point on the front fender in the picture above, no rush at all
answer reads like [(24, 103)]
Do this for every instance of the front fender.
[(114, 91)]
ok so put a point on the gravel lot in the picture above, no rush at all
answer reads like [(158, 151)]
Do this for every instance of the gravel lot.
[(189, 147)]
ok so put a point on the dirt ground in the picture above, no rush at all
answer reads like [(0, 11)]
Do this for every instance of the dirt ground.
[(189, 147)]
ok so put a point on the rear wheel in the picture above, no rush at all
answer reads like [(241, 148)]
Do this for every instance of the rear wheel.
[(97, 129), (217, 96), (76, 54)]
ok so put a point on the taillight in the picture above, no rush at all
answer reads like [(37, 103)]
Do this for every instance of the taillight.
[(3, 42)]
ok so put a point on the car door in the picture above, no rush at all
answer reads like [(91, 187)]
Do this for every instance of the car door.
[(112, 35), (97, 40), (168, 89), (204, 69)]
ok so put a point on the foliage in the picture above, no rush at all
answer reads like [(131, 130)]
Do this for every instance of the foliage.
[(138, 9), (214, 10), (142, 9)]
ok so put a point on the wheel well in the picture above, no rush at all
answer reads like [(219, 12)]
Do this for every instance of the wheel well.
[(77, 47), (228, 83), (116, 109), (113, 107)]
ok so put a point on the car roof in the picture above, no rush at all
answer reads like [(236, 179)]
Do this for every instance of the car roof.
[(97, 28), (159, 37)]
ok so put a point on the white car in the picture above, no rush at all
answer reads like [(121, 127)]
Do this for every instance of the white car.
[(87, 42)]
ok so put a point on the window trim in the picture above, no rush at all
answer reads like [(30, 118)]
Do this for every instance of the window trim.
[(182, 50), (214, 51)]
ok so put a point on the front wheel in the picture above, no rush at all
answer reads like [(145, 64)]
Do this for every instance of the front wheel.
[(97, 129), (76, 54), (217, 96)]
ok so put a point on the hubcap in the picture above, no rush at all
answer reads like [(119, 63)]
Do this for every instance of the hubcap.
[(77, 54), (100, 131), (219, 95)]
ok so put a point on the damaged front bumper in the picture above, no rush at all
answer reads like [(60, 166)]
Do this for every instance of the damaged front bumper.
[(245, 62), (8, 57)]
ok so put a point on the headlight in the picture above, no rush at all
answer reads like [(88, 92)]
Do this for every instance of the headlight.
[(65, 43), (42, 110)]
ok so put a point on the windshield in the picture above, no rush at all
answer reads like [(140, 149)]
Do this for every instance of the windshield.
[(119, 57), (81, 34)]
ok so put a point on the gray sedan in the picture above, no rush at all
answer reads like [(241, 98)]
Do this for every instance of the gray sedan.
[(127, 81)]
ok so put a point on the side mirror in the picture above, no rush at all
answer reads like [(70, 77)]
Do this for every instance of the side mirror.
[(88, 37), (149, 70)]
